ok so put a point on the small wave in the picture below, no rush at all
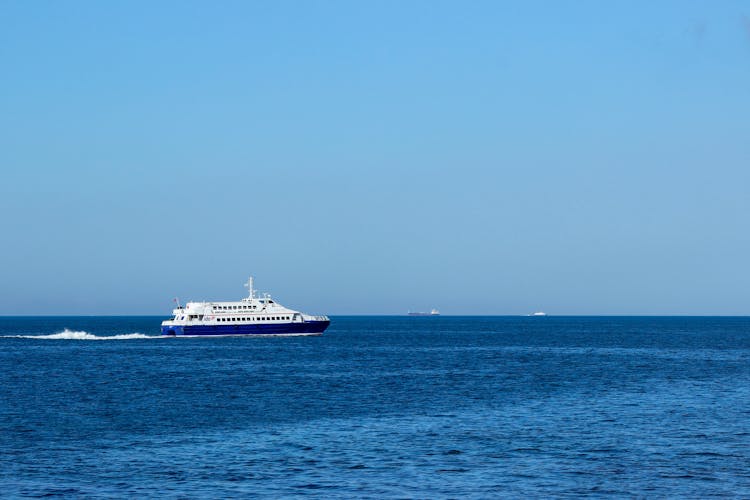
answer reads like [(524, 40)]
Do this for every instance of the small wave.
[(81, 335)]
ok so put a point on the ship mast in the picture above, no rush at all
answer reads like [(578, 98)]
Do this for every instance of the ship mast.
[(250, 289)]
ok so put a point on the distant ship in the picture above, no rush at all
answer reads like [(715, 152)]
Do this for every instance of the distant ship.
[(433, 312), (254, 315), (540, 313)]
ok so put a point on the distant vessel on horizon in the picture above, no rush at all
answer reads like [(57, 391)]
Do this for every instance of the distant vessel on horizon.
[(539, 313), (433, 312)]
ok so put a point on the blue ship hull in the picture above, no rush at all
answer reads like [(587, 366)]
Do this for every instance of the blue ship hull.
[(306, 328)]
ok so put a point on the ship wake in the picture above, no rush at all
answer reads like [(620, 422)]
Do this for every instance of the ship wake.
[(82, 335)]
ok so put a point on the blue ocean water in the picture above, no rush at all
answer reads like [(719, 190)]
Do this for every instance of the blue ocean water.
[(378, 407)]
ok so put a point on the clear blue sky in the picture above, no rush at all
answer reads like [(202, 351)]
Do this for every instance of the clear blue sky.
[(580, 157)]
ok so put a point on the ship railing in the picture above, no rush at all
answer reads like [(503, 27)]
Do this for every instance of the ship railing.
[(306, 317)]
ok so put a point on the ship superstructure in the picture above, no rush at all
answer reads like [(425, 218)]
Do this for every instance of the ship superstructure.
[(257, 314)]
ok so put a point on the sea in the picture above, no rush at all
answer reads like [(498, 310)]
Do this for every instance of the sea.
[(378, 407)]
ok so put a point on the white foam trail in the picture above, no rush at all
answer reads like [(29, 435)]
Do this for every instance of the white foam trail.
[(81, 335)]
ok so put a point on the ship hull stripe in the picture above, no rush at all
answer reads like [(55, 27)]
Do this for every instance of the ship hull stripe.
[(306, 328)]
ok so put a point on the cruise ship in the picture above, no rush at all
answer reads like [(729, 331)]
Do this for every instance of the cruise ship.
[(257, 314)]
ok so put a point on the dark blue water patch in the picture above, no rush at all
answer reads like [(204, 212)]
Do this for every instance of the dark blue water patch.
[(378, 407)]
